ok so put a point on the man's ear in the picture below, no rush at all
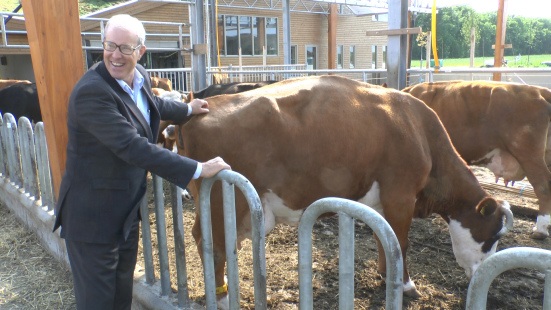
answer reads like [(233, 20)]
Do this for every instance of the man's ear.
[(142, 50)]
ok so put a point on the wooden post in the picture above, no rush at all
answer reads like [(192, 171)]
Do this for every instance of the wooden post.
[(332, 36), (500, 37), (53, 29)]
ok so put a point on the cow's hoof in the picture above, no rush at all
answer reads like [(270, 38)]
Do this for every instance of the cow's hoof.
[(412, 293), (222, 302), (539, 235)]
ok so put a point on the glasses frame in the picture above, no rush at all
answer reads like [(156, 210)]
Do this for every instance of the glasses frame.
[(119, 47)]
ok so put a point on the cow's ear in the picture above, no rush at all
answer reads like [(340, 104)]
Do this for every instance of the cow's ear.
[(189, 97), (487, 206)]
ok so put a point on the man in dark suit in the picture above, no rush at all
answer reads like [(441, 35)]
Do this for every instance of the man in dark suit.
[(113, 121)]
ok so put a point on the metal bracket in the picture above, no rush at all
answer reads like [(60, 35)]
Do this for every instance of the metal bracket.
[(200, 49), (393, 32)]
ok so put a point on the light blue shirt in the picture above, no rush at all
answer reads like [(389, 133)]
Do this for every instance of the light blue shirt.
[(136, 94), (140, 100)]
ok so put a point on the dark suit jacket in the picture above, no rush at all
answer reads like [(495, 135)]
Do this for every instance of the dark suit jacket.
[(109, 151)]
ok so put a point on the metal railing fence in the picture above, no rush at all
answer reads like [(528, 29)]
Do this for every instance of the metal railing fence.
[(182, 77)]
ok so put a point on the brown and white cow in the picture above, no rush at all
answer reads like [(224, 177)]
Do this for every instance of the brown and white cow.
[(166, 137), (163, 83), (307, 138), (167, 131), (502, 126)]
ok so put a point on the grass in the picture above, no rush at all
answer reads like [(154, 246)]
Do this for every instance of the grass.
[(524, 61)]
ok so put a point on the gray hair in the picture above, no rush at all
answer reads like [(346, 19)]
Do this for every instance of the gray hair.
[(126, 21)]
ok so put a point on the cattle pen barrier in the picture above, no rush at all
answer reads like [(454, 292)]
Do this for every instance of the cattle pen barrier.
[(347, 210), (182, 77), (26, 189)]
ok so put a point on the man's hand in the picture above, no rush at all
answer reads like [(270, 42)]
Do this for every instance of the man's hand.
[(213, 166), (199, 106)]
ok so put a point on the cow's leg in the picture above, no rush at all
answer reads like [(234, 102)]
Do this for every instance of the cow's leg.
[(541, 182), (526, 149), (219, 256), (219, 249), (243, 227), (400, 220)]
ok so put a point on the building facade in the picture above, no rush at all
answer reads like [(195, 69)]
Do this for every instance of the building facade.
[(248, 34)]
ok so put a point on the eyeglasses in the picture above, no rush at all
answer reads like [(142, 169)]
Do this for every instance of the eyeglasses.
[(124, 48)]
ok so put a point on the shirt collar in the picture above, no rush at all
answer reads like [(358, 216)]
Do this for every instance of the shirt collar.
[(137, 82)]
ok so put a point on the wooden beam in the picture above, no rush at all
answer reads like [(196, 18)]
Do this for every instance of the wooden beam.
[(500, 38), (503, 46), (394, 32), (53, 29), (332, 21)]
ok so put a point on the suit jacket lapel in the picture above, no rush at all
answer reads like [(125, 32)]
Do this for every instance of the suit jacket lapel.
[(132, 106)]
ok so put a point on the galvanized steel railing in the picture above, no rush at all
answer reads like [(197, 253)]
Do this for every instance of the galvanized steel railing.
[(347, 210), (519, 257), (24, 159), (182, 77), (229, 180)]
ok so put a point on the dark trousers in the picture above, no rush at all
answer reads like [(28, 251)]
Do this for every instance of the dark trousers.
[(103, 274)]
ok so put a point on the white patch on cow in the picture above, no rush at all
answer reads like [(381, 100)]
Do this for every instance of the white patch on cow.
[(373, 199), (410, 285), (503, 164), (467, 251), (186, 195), (542, 224), (171, 95), (275, 211)]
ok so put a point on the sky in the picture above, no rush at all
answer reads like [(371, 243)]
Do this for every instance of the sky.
[(526, 8)]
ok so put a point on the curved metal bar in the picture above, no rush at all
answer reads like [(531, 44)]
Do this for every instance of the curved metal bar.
[(258, 240), (345, 207), (519, 257)]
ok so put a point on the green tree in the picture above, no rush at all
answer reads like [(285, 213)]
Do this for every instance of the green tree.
[(527, 35)]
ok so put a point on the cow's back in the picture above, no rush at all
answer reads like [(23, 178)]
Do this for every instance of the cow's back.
[(482, 115), (313, 137), (502, 126)]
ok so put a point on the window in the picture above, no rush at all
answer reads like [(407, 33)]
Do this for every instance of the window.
[(374, 57), (294, 56), (311, 57), (231, 32), (352, 56), (380, 18), (245, 35), (271, 35), (339, 56), (251, 34), (259, 39)]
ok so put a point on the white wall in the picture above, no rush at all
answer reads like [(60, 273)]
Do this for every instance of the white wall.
[(17, 67)]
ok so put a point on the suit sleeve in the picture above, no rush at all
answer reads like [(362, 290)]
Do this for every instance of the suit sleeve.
[(100, 112), (171, 110)]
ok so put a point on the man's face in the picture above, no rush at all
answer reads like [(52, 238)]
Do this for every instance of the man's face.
[(119, 65)]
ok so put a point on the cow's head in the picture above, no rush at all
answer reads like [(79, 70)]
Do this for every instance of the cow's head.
[(475, 234)]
